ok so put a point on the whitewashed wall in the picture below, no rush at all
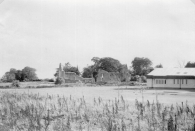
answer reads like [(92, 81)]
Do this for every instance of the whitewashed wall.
[(149, 82), (170, 83)]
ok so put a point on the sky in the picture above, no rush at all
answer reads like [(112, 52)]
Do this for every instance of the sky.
[(43, 33)]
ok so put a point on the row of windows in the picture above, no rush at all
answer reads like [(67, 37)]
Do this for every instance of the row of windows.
[(160, 81), (178, 81), (175, 81)]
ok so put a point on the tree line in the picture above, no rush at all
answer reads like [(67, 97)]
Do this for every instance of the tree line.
[(26, 74), (141, 66)]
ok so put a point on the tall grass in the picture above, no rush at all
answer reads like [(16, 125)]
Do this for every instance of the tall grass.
[(32, 112)]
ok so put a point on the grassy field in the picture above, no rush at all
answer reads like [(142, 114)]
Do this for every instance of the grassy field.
[(68, 110), (130, 93), (101, 108)]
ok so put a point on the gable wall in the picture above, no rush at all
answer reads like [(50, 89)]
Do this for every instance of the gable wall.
[(107, 76)]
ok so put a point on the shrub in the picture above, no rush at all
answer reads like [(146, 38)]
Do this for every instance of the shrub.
[(16, 83), (48, 80), (51, 80), (26, 80), (7, 86), (37, 80), (133, 78), (144, 79), (101, 83), (59, 81)]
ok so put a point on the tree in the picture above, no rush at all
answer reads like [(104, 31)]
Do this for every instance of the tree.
[(12, 70), (95, 59), (59, 81), (16, 83), (13, 74), (124, 73), (146, 71), (88, 72), (140, 65), (181, 63), (108, 64), (8, 77), (190, 65), (56, 74), (19, 76), (69, 68), (72, 69), (29, 73), (67, 65), (159, 66)]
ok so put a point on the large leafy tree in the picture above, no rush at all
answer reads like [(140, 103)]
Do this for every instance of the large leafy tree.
[(88, 72), (8, 77), (95, 60), (145, 71), (12, 70), (26, 73), (140, 65), (108, 64), (190, 65), (29, 73), (19, 76)]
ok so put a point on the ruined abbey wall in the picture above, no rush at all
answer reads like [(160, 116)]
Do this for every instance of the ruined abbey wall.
[(72, 77)]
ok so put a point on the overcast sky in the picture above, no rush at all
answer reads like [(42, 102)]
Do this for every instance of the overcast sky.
[(43, 33)]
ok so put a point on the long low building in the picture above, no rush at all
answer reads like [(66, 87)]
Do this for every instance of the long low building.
[(172, 78)]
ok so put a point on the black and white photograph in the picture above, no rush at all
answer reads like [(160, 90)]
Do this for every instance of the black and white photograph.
[(97, 65)]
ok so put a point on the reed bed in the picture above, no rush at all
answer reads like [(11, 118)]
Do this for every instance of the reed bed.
[(33, 112)]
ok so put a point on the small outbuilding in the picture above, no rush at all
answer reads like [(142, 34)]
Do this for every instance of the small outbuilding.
[(171, 78)]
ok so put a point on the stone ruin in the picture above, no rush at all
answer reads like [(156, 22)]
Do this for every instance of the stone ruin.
[(103, 76), (114, 77), (72, 77)]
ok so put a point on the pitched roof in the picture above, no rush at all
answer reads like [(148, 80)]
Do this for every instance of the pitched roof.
[(173, 72)]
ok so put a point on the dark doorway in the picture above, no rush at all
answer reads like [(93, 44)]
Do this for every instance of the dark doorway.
[(95, 75)]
